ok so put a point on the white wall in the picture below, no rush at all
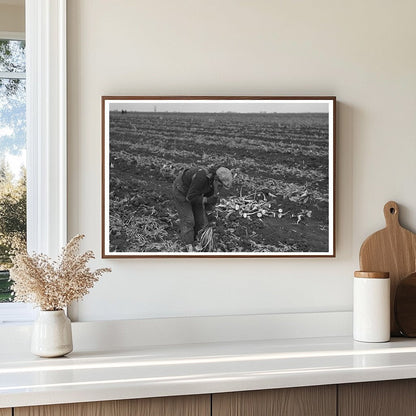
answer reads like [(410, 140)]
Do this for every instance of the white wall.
[(361, 51)]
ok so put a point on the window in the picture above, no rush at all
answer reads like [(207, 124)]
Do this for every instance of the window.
[(46, 134), (12, 155), (12, 165)]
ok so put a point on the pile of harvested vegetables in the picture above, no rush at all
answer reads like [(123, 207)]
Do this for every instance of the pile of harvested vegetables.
[(256, 205)]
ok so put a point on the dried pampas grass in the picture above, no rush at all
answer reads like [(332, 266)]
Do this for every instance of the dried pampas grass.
[(53, 285)]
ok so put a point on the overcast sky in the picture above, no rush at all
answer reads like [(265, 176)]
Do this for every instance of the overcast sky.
[(223, 106)]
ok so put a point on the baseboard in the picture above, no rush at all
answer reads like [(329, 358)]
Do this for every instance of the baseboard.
[(127, 334)]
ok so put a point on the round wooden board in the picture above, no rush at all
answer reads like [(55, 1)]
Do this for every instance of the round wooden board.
[(405, 305)]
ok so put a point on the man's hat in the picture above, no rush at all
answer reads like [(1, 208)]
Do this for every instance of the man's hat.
[(225, 176)]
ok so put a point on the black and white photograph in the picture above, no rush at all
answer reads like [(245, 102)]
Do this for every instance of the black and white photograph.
[(218, 176)]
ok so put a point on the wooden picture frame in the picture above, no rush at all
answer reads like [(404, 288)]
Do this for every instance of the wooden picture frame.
[(279, 155)]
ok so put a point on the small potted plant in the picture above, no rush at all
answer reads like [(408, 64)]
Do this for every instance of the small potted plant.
[(52, 286)]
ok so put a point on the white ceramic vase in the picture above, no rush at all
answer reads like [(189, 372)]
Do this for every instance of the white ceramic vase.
[(52, 334)]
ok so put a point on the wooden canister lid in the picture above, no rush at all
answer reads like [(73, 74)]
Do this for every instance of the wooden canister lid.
[(372, 275)]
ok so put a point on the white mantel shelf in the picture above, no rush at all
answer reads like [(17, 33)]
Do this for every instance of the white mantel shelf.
[(151, 371)]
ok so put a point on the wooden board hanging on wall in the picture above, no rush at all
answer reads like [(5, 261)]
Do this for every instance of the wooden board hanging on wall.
[(392, 250), (405, 306)]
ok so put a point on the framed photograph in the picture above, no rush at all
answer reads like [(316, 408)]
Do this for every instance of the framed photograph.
[(218, 176)]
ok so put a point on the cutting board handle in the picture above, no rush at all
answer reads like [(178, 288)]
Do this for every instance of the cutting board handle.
[(391, 214)]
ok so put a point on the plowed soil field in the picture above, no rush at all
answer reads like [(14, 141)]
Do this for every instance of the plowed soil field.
[(279, 198)]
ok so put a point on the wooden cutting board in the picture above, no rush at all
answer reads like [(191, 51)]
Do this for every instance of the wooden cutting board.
[(393, 250), (405, 306)]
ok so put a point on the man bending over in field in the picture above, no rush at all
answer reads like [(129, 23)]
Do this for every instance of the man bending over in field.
[(195, 191)]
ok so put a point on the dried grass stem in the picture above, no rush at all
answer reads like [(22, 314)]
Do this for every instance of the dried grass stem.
[(53, 285)]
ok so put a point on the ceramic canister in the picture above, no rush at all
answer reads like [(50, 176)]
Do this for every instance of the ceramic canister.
[(371, 309)]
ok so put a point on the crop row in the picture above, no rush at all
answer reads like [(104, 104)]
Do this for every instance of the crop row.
[(169, 169), (275, 169), (212, 139)]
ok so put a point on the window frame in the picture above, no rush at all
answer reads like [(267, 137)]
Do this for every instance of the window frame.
[(46, 125), (46, 138)]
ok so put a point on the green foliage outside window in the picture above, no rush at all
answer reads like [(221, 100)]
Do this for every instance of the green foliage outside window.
[(12, 148)]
